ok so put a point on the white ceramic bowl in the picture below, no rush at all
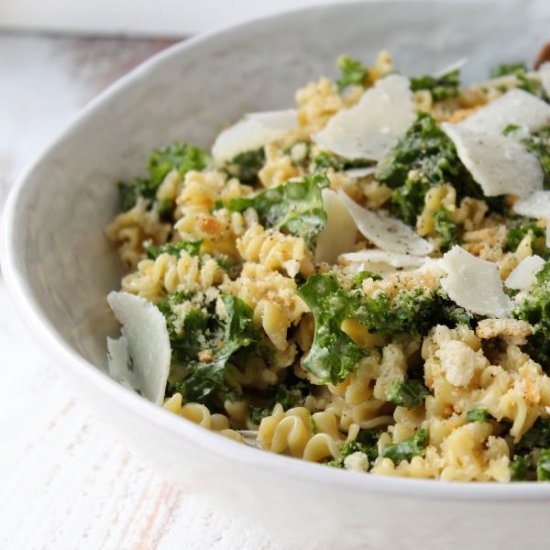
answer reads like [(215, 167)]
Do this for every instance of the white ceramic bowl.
[(60, 267)]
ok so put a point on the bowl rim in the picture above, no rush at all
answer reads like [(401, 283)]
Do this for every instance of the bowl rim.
[(269, 463)]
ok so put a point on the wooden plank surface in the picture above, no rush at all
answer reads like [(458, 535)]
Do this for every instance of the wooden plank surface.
[(65, 480)]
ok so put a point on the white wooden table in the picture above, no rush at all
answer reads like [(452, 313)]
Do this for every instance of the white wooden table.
[(65, 481)]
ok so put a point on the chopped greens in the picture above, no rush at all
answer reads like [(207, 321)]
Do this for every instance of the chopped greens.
[(424, 158), (414, 446), (366, 443), (154, 251), (477, 415), (441, 88), (353, 72), (177, 156), (448, 232), (202, 379), (245, 166), (295, 207), (325, 161), (333, 354), (519, 468), (507, 68), (537, 437), (535, 309), (409, 393)]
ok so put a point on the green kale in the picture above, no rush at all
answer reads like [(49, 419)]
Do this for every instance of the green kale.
[(409, 393), (441, 87), (154, 251), (353, 72), (424, 158), (202, 380), (288, 396), (522, 227), (519, 468), (539, 144), (528, 84), (366, 443), (245, 166), (325, 161), (177, 156), (414, 446), (448, 231), (295, 207), (535, 309), (333, 354), (543, 466), (537, 437), (507, 68), (410, 312), (510, 129), (478, 415)]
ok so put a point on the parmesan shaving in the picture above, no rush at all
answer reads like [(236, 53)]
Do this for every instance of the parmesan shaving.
[(254, 131), (382, 257), (385, 232), (457, 65), (474, 284), (501, 165), (144, 341), (515, 107), (370, 128), (525, 274), (339, 233)]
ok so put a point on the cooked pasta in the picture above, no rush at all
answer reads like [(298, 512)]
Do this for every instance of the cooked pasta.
[(360, 287)]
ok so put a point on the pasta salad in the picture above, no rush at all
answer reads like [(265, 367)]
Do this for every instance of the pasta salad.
[(359, 281)]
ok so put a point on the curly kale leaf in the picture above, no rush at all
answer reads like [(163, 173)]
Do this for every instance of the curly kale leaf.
[(245, 166), (325, 161), (520, 468), (353, 72), (536, 437), (408, 393), (333, 354), (424, 158), (177, 156), (223, 342), (535, 309), (414, 446), (505, 69), (441, 87), (295, 207), (154, 251)]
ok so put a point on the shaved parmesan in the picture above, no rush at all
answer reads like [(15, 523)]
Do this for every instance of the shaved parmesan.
[(544, 75), (339, 233), (385, 232), (457, 65), (536, 205), (524, 275), (144, 341), (120, 363), (474, 284), (361, 172), (515, 107), (253, 132), (499, 164), (392, 259), (369, 129)]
